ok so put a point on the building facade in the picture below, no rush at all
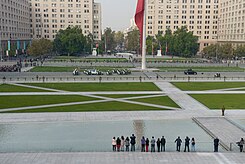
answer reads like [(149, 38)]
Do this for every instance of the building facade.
[(200, 17), (232, 22), (49, 16), (15, 32)]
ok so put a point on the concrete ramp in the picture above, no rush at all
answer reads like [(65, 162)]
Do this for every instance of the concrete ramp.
[(227, 132)]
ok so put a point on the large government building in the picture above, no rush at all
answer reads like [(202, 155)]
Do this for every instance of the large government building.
[(211, 20), (24, 20)]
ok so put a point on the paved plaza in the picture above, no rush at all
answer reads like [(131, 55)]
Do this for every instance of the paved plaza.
[(209, 120)]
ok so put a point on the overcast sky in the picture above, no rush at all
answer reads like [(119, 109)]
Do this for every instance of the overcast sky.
[(117, 13)]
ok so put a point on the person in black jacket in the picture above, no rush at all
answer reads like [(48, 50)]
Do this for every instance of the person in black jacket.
[(178, 144), (216, 145), (132, 142), (147, 145), (187, 144), (163, 143), (118, 144), (158, 144)]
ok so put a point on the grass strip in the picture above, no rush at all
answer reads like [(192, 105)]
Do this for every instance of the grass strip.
[(201, 86), (93, 87), (163, 100), (216, 101), (34, 100), (14, 88), (95, 107)]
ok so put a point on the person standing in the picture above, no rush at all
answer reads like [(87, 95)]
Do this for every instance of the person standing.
[(216, 145), (143, 144), (122, 143), (127, 144), (118, 143), (147, 144), (193, 144), (153, 141), (223, 110), (114, 144), (178, 142), (158, 144), (133, 142), (187, 144), (240, 144), (163, 143)]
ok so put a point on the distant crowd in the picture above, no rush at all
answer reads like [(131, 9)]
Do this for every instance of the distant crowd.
[(128, 144)]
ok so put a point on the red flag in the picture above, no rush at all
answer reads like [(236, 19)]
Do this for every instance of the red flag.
[(139, 17)]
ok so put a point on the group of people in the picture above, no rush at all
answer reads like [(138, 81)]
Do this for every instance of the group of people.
[(119, 143)]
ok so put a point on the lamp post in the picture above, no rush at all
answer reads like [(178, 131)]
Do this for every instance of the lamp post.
[(217, 38)]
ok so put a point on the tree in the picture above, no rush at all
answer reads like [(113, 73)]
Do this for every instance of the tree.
[(108, 39), (40, 47), (151, 45), (240, 51), (119, 40), (133, 41), (226, 51), (210, 51), (166, 41), (70, 41), (185, 44)]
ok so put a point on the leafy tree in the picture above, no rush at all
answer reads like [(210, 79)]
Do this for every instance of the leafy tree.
[(70, 41), (109, 39), (133, 41), (210, 51), (240, 51), (151, 44), (185, 44), (119, 39), (40, 47), (226, 51), (166, 41)]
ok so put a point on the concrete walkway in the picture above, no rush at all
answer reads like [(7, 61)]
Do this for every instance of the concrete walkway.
[(220, 127), (186, 102), (122, 158)]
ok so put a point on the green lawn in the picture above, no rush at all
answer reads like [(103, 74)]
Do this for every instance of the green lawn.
[(202, 69), (200, 86), (52, 69), (163, 100), (216, 101), (93, 87), (22, 101), (95, 107), (70, 69), (14, 88), (122, 95), (81, 59)]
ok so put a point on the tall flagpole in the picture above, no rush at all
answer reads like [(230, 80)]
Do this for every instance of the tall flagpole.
[(144, 38)]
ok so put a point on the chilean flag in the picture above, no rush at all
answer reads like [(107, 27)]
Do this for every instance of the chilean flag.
[(139, 18)]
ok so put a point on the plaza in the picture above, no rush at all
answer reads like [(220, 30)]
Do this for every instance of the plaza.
[(191, 119)]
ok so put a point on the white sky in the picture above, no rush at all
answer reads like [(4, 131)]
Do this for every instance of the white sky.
[(117, 13)]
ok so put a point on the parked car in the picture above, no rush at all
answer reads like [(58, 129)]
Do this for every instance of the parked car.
[(93, 72), (190, 72)]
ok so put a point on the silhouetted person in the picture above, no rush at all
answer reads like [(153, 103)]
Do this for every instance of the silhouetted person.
[(158, 144), (147, 144), (216, 145), (240, 144), (223, 110), (178, 143), (133, 142), (187, 144), (163, 143)]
